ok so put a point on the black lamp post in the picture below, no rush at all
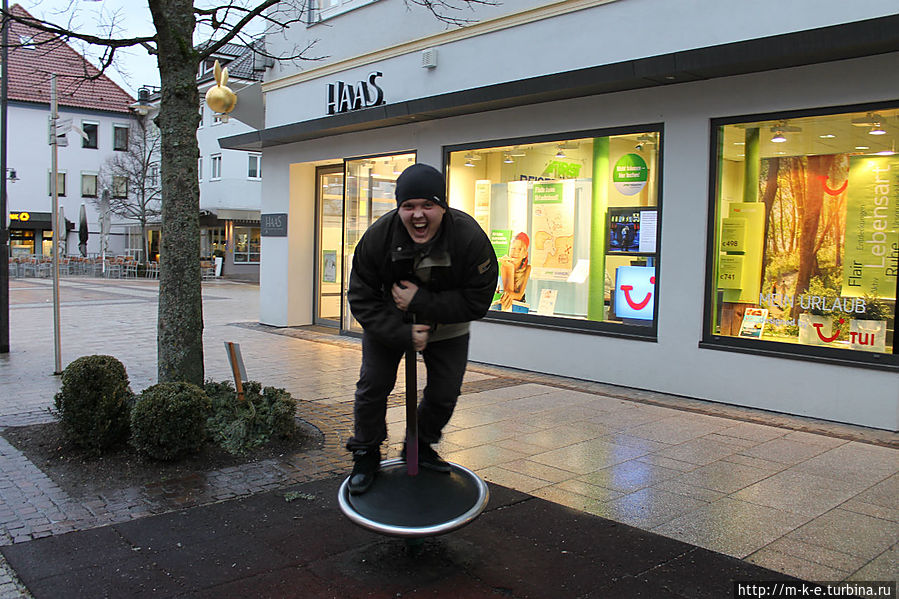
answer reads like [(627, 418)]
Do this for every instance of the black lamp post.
[(4, 209)]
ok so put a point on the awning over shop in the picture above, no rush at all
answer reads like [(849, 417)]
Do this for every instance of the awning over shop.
[(34, 221), (217, 216), (839, 42)]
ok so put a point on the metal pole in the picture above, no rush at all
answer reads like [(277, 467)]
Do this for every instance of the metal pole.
[(4, 209), (54, 184), (411, 414)]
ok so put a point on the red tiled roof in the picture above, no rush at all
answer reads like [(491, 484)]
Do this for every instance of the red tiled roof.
[(30, 70)]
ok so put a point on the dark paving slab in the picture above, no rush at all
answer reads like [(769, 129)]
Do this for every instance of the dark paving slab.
[(266, 546)]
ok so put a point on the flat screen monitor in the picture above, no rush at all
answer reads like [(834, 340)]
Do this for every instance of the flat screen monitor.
[(632, 231)]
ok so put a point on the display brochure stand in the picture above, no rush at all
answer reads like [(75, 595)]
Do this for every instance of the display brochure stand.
[(410, 503)]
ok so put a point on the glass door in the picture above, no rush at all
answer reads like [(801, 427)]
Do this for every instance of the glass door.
[(370, 184), (329, 244)]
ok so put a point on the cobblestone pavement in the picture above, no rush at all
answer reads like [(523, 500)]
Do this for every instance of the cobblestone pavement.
[(812, 499)]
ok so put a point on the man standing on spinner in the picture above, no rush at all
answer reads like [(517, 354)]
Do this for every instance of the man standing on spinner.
[(421, 274)]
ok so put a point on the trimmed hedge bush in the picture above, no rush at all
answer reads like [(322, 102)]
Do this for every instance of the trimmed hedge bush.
[(94, 402), (169, 420), (239, 426)]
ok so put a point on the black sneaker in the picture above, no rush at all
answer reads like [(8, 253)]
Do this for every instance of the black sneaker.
[(366, 463), (428, 458)]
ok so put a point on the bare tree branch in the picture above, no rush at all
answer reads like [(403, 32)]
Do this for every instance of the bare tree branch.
[(441, 9)]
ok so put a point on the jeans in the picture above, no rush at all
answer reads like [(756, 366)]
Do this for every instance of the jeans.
[(445, 362)]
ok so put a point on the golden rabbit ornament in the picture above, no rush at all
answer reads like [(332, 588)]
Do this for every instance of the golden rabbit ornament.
[(219, 97)]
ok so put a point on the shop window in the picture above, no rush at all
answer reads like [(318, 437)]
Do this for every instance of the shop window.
[(213, 243), (216, 167), (89, 185), (90, 129), (369, 193), (21, 243), (60, 184), (120, 187), (805, 237), (120, 137), (254, 166), (574, 224), (246, 245)]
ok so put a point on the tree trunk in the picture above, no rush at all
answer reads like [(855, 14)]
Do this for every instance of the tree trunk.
[(180, 320), (812, 202), (768, 196)]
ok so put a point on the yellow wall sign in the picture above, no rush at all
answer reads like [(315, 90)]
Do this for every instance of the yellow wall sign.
[(730, 272), (19, 216), (733, 234)]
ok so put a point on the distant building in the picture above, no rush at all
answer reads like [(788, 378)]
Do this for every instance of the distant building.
[(230, 180), (97, 106)]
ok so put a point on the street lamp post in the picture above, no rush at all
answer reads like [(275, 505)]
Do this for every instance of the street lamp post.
[(4, 210)]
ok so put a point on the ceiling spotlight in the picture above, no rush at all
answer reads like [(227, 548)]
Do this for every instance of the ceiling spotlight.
[(468, 162), (877, 130), (780, 129), (862, 147), (560, 154), (872, 119), (827, 136), (507, 159), (518, 152)]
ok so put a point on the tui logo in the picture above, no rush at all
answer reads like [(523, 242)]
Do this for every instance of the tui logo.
[(642, 304), (822, 337)]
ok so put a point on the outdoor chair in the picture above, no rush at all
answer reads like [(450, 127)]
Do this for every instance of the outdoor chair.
[(207, 270)]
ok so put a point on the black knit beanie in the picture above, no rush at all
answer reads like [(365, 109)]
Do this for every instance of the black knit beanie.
[(421, 181)]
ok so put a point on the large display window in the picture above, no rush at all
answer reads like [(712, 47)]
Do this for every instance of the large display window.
[(805, 225), (574, 224)]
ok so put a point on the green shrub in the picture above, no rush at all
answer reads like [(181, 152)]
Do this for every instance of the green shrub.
[(169, 420), (239, 426), (94, 402)]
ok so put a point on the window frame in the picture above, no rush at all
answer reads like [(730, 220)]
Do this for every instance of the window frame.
[(96, 136), (115, 187), (96, 177), (200, 168), (116, 127), (60, 183), (249, 251), (216, 159), (319, 14), (647, 332), (258, 175), (776, 349)]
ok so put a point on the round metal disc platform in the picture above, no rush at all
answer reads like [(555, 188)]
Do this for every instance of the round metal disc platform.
[(429, 503)]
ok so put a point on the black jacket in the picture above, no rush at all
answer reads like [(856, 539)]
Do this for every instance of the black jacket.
[(459, 292)]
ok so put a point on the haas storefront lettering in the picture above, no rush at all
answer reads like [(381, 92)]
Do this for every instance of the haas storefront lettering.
[(344, 97)]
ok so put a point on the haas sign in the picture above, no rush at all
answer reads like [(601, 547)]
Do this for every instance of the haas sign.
[(344, 97)]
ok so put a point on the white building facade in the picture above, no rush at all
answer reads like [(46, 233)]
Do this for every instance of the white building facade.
[(230, 180), (706, 191), (98, 107)]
